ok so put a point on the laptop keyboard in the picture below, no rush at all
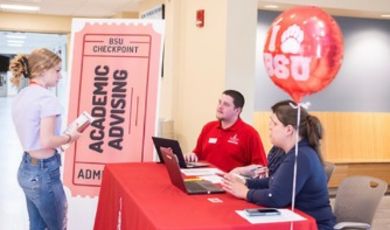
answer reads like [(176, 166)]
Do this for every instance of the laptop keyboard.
[(207, 185), (201, 185), (194, 186)]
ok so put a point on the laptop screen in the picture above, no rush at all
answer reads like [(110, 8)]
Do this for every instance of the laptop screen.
[(172, 166), (190, 187), (169, 143)]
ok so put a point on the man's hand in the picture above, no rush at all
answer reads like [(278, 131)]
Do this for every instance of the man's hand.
[(191, 157)]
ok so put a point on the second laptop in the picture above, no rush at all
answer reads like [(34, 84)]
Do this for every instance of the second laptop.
[(175, 146)]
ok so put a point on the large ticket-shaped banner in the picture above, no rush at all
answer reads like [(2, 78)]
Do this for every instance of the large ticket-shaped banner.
[(114, 76)]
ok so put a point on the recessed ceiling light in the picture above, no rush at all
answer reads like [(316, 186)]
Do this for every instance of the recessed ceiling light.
[(385, 15), (16, 41), (15, 44), (19, 7), (16, 36), (271, 6)]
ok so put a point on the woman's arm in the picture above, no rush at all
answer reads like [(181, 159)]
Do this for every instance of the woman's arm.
[(257, 183), (279, 193), (49, 139)]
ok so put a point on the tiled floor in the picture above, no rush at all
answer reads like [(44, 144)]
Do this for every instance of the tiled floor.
[(13, 214)]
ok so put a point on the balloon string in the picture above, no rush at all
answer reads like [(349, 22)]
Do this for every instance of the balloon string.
[(296, 158), (298, 107), (304, 105)]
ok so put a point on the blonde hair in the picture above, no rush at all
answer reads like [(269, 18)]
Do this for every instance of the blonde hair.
[(32, 65)]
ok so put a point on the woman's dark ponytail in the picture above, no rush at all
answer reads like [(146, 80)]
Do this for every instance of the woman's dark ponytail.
[(310, 126), (313, 133)]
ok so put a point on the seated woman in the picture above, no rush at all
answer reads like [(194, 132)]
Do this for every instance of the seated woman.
[(311, 194)]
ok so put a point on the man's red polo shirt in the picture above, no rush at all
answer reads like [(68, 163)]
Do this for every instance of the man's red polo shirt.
[(236, 146)]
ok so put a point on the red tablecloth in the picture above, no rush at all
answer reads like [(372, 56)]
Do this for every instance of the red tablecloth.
[(141, 196)]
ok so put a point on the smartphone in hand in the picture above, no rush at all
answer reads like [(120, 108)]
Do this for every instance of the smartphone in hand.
[(262, 211)]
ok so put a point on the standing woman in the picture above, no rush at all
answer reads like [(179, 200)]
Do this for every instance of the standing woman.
[(311, 183), (36, 114)]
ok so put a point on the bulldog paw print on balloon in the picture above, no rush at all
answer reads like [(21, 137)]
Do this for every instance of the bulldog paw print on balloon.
[(303, 51), (292, 39)]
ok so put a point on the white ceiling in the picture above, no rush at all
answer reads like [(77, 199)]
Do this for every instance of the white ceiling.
[(78, 8), (353, 8), (108, 8)]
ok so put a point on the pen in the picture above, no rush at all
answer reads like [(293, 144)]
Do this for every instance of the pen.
[(193, 179), (255, 168)]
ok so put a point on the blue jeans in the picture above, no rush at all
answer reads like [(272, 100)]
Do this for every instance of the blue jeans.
[(45, 196)]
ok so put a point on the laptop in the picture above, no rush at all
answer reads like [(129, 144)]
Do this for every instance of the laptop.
[(175, 146), (189, 187)]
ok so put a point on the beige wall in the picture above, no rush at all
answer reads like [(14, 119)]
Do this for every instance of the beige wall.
[(198, 67), (126, 15), (241, 52), (202, 62), (166, 83), (193, 67), (43, 23), (149, 4), (35, 23)]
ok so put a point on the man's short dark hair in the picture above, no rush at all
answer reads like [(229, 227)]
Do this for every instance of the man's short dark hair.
[(238, 98)]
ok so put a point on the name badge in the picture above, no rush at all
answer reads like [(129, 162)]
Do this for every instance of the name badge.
[(212, 140)]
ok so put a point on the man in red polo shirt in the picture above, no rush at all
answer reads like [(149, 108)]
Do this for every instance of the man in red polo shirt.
[(229, 142)]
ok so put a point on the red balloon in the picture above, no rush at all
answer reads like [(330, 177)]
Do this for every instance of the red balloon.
[(303, 51)]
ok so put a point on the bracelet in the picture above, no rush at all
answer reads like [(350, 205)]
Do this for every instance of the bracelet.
[(69, 138)]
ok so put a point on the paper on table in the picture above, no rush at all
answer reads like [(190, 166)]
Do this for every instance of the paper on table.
[(201, 171), (286, 215), (212, 178)]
